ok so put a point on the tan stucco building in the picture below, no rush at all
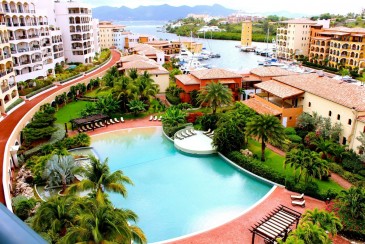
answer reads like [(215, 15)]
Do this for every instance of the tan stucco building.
[(112, 36), (246, 33)]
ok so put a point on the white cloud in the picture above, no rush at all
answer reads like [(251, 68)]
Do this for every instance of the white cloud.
[(309, 7)]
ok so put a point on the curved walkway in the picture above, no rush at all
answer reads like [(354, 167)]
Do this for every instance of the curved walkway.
[(9, 122)]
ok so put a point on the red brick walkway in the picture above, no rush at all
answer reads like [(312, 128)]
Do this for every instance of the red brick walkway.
[(9, 122)]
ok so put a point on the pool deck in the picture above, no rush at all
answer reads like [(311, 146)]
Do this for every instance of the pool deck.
[(238, 229)]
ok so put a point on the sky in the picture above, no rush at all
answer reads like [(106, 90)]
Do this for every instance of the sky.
[(310, 7)]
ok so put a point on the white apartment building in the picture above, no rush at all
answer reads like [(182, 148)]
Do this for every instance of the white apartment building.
[(293, 38), (78, 28), (8, 91), (35, 45), (112, 35)]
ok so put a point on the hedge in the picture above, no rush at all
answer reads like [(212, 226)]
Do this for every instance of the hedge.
[(71, 78), (172, 99), (257, 167), (39, 91), (13, 105)]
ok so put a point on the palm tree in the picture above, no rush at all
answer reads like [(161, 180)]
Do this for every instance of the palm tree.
[(326, 220), (314, 166), (145, 87), (267, 128), (136, 106), (99, 179), (100, 223), (56, 214), (60, 170), (308, 233), (173, 117), (106, 105), (215, 95), (133, 74), (123, 91), (294, 159), (352, 202), (323, 146)]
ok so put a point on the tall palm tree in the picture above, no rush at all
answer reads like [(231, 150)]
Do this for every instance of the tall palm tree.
[(123, 91), (266, 128), (56, 214), (173, 117), (326, 220), (294, 159), (60, 170), (100, 223), (99, 179), (323, 146), (215, 94), (145, 87), (314, 166)]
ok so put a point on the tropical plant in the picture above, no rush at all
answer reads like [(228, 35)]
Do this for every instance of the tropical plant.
[(55, 215), (23, 206), (173, 117), (308, 233), (99, 179), (215, 94), (361, 147), (145, 87), (136, 106), (266, 128), (106, 105), (352, 202), (133, 74), (326, 220), (100, 223), (123, 91), (60, 170)]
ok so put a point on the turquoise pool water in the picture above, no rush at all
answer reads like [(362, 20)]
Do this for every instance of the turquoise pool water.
[(175, 194)]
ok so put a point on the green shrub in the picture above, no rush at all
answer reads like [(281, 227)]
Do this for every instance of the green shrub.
[(290, 131), (22, 206), (294, 138), (174, 100), (209, 121), (31, 94), (14, 104)]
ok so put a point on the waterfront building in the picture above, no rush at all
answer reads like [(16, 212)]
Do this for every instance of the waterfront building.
[(246, 34), (338, 47), (150, 52), (78, 28), (196, 80), (143, 64), (288, 96), (134, 39), (168, 47), (192, 46), (293, 38), (36, 45), (8, 91), (112, 36), (240, 17)]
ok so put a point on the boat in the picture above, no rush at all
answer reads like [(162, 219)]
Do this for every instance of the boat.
[(248, 49), (192, 65)]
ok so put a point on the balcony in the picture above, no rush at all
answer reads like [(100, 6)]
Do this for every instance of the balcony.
[(5, 88)]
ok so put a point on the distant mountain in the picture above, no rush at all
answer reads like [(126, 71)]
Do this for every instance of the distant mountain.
[(158, 12), (286, 14)]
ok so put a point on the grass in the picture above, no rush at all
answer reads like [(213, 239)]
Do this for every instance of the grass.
[(70, 111), (276, 163), (99, 92)]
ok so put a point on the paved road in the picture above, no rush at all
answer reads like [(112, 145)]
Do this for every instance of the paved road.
[(7, 125)]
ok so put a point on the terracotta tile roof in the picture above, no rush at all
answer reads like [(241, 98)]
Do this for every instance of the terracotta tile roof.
[(140, 64), (345, 94), (187, 79), (158, 71), (247, 78), (346, 29), (261, 107), (208, 74), (299, 21), (271, 71), (133, 57), (279, 89)]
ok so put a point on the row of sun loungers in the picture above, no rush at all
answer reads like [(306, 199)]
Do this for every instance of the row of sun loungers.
[(99, 124), (209, 133), (298, 200), (155, 118), (185, 134)]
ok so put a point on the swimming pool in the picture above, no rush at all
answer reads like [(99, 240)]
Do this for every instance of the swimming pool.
[(175, 194)]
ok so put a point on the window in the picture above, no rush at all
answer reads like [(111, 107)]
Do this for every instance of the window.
[(350, 121), (344, 140), (330, 113), (309, 104), (338, 117)]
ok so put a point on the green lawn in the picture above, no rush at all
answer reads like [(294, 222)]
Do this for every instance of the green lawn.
[(70, 111), (276, 163), (99, 92)]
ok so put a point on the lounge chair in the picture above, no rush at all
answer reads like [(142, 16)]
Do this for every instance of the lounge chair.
[(160, 118), (188, 132), (210, 134), (96, 125), (155, 118), (116, 120), (108, 122), (80, 130), (101, 124), (297, 197), (192, 131), (299, 203), (207, 132), (184, 134), (112, 121), (121, 120), (151, 118), (179, 137), (88, 127)]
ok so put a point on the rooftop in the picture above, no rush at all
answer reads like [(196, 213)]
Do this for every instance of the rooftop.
[(338, 91), (187, 79), (215, 74), (271, 71), (140, 64), (279, 89), (133, 57), (260, 107), (299, 21)]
